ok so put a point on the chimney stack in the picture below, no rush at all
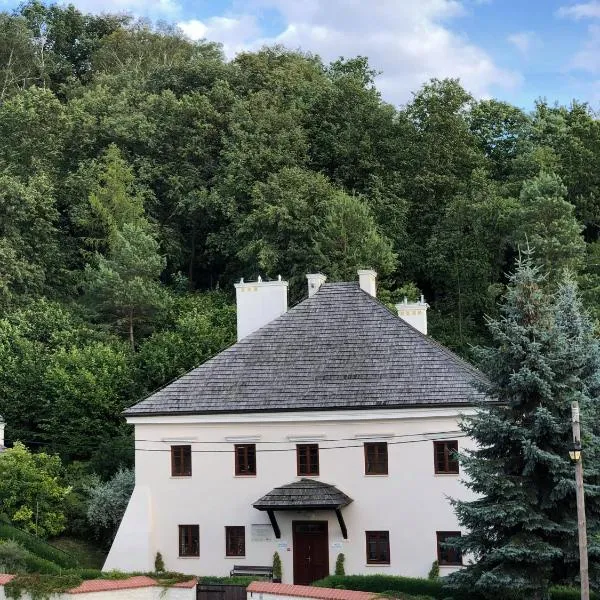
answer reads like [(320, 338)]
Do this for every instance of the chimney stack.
[(315, 281), (414, 313), (2, 424), (258, 303), (367, 281)]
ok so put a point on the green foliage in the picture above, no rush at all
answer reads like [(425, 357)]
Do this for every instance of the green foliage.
[(107, 503), (12, 557), (30, 493), (237, 580), (339, 564), (434, 572), (37, 547), (522, 528), (159, 563), (40, 587), (277, 574)]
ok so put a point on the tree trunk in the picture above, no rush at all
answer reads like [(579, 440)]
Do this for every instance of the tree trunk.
[(131, 338)]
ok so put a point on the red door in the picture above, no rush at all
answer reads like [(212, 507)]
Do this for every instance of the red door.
[(311, 551)]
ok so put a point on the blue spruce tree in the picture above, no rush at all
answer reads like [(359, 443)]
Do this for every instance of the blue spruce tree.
[(522, 528)]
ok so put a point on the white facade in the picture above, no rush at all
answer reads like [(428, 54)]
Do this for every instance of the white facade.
[(411, 502)]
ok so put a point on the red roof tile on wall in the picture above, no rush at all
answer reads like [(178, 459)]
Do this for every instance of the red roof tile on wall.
[(106, 585), (306, 591), (4, 579)]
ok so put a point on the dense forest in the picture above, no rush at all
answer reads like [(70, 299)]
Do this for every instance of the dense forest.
[(141, 174)]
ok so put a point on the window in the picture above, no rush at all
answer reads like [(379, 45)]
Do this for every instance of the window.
[(308, 459), (235, 541), (189, 540), (446, 554), (245, 459), (376, 458), (445, 460), (181, 461), (378, 547)]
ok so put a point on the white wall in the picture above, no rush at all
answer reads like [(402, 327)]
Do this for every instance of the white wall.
[(258, 303), (411, 502), (146, 593)]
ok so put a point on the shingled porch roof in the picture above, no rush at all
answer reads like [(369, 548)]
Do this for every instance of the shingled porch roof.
[(339, 349), (305, 494)]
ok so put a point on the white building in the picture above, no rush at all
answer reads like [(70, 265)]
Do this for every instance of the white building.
[(329, 428)]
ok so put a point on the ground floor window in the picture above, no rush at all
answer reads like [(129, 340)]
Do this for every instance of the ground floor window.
[(189, 540), (378, 547), (235, 541), (447, 555)]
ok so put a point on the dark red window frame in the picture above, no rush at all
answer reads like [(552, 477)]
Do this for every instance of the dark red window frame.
[(445, 554), (189, 540), (307, 458), (444, 457), (181, 461), (235, 540), (245, 459), (376, 458), (378, 547)]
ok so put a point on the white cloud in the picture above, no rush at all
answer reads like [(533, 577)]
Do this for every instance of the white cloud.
[(525, 41), (234, 33), (584, 10), (409, 41), (588, 58)]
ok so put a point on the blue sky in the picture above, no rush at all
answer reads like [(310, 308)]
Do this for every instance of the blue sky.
[(515, 50)]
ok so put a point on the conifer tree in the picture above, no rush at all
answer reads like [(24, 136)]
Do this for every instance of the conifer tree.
[(522, 528)]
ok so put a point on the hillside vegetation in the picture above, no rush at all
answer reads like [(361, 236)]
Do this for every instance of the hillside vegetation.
[(141, 174)]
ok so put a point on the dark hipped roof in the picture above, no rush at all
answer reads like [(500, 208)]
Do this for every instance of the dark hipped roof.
[(339, 349), (303, 495)]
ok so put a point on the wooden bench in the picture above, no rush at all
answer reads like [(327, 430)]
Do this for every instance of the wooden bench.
[(251, 570)]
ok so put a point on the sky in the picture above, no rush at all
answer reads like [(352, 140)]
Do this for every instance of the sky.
[(513, 50)]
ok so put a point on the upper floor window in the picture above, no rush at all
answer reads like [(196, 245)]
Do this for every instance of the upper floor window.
[(445, 459), (378, 547), (235, 541), (245, 459), (189, 540), (448, 555), (307, 456), (376, 458), (181, 461)]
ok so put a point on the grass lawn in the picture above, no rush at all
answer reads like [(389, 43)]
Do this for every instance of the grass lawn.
[(87, 554)]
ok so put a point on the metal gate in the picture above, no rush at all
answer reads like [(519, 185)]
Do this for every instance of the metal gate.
[(220, 592)]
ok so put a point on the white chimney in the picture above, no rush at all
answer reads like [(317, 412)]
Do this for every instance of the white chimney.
[(367, 281), (2, 424), (414, 313), (315, 281), (258, 303)]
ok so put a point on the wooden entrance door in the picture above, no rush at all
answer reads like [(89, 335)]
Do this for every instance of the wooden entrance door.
[(311, 551)]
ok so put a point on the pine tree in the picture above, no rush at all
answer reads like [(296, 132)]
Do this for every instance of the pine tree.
[(522, 528)]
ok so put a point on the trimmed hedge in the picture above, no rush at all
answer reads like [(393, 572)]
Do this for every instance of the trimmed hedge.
[(385, 584), (37, 546), (396, 586)]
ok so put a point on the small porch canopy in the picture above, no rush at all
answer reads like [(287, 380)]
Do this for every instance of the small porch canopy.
[(305, 494)]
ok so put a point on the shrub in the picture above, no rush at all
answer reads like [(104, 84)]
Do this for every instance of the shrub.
[(159, 563), (277, 566), (339, 565), (239, 580), (387, 584), (405, 588), (12, 557), (37, 546), (434, 572)]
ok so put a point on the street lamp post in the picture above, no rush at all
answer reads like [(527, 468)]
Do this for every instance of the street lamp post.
[(575, 455)]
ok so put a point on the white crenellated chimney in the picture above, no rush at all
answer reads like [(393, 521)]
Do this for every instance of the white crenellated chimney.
[(258, 303), (414, 313), (367, 279), (315, 281), (2, 424)]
